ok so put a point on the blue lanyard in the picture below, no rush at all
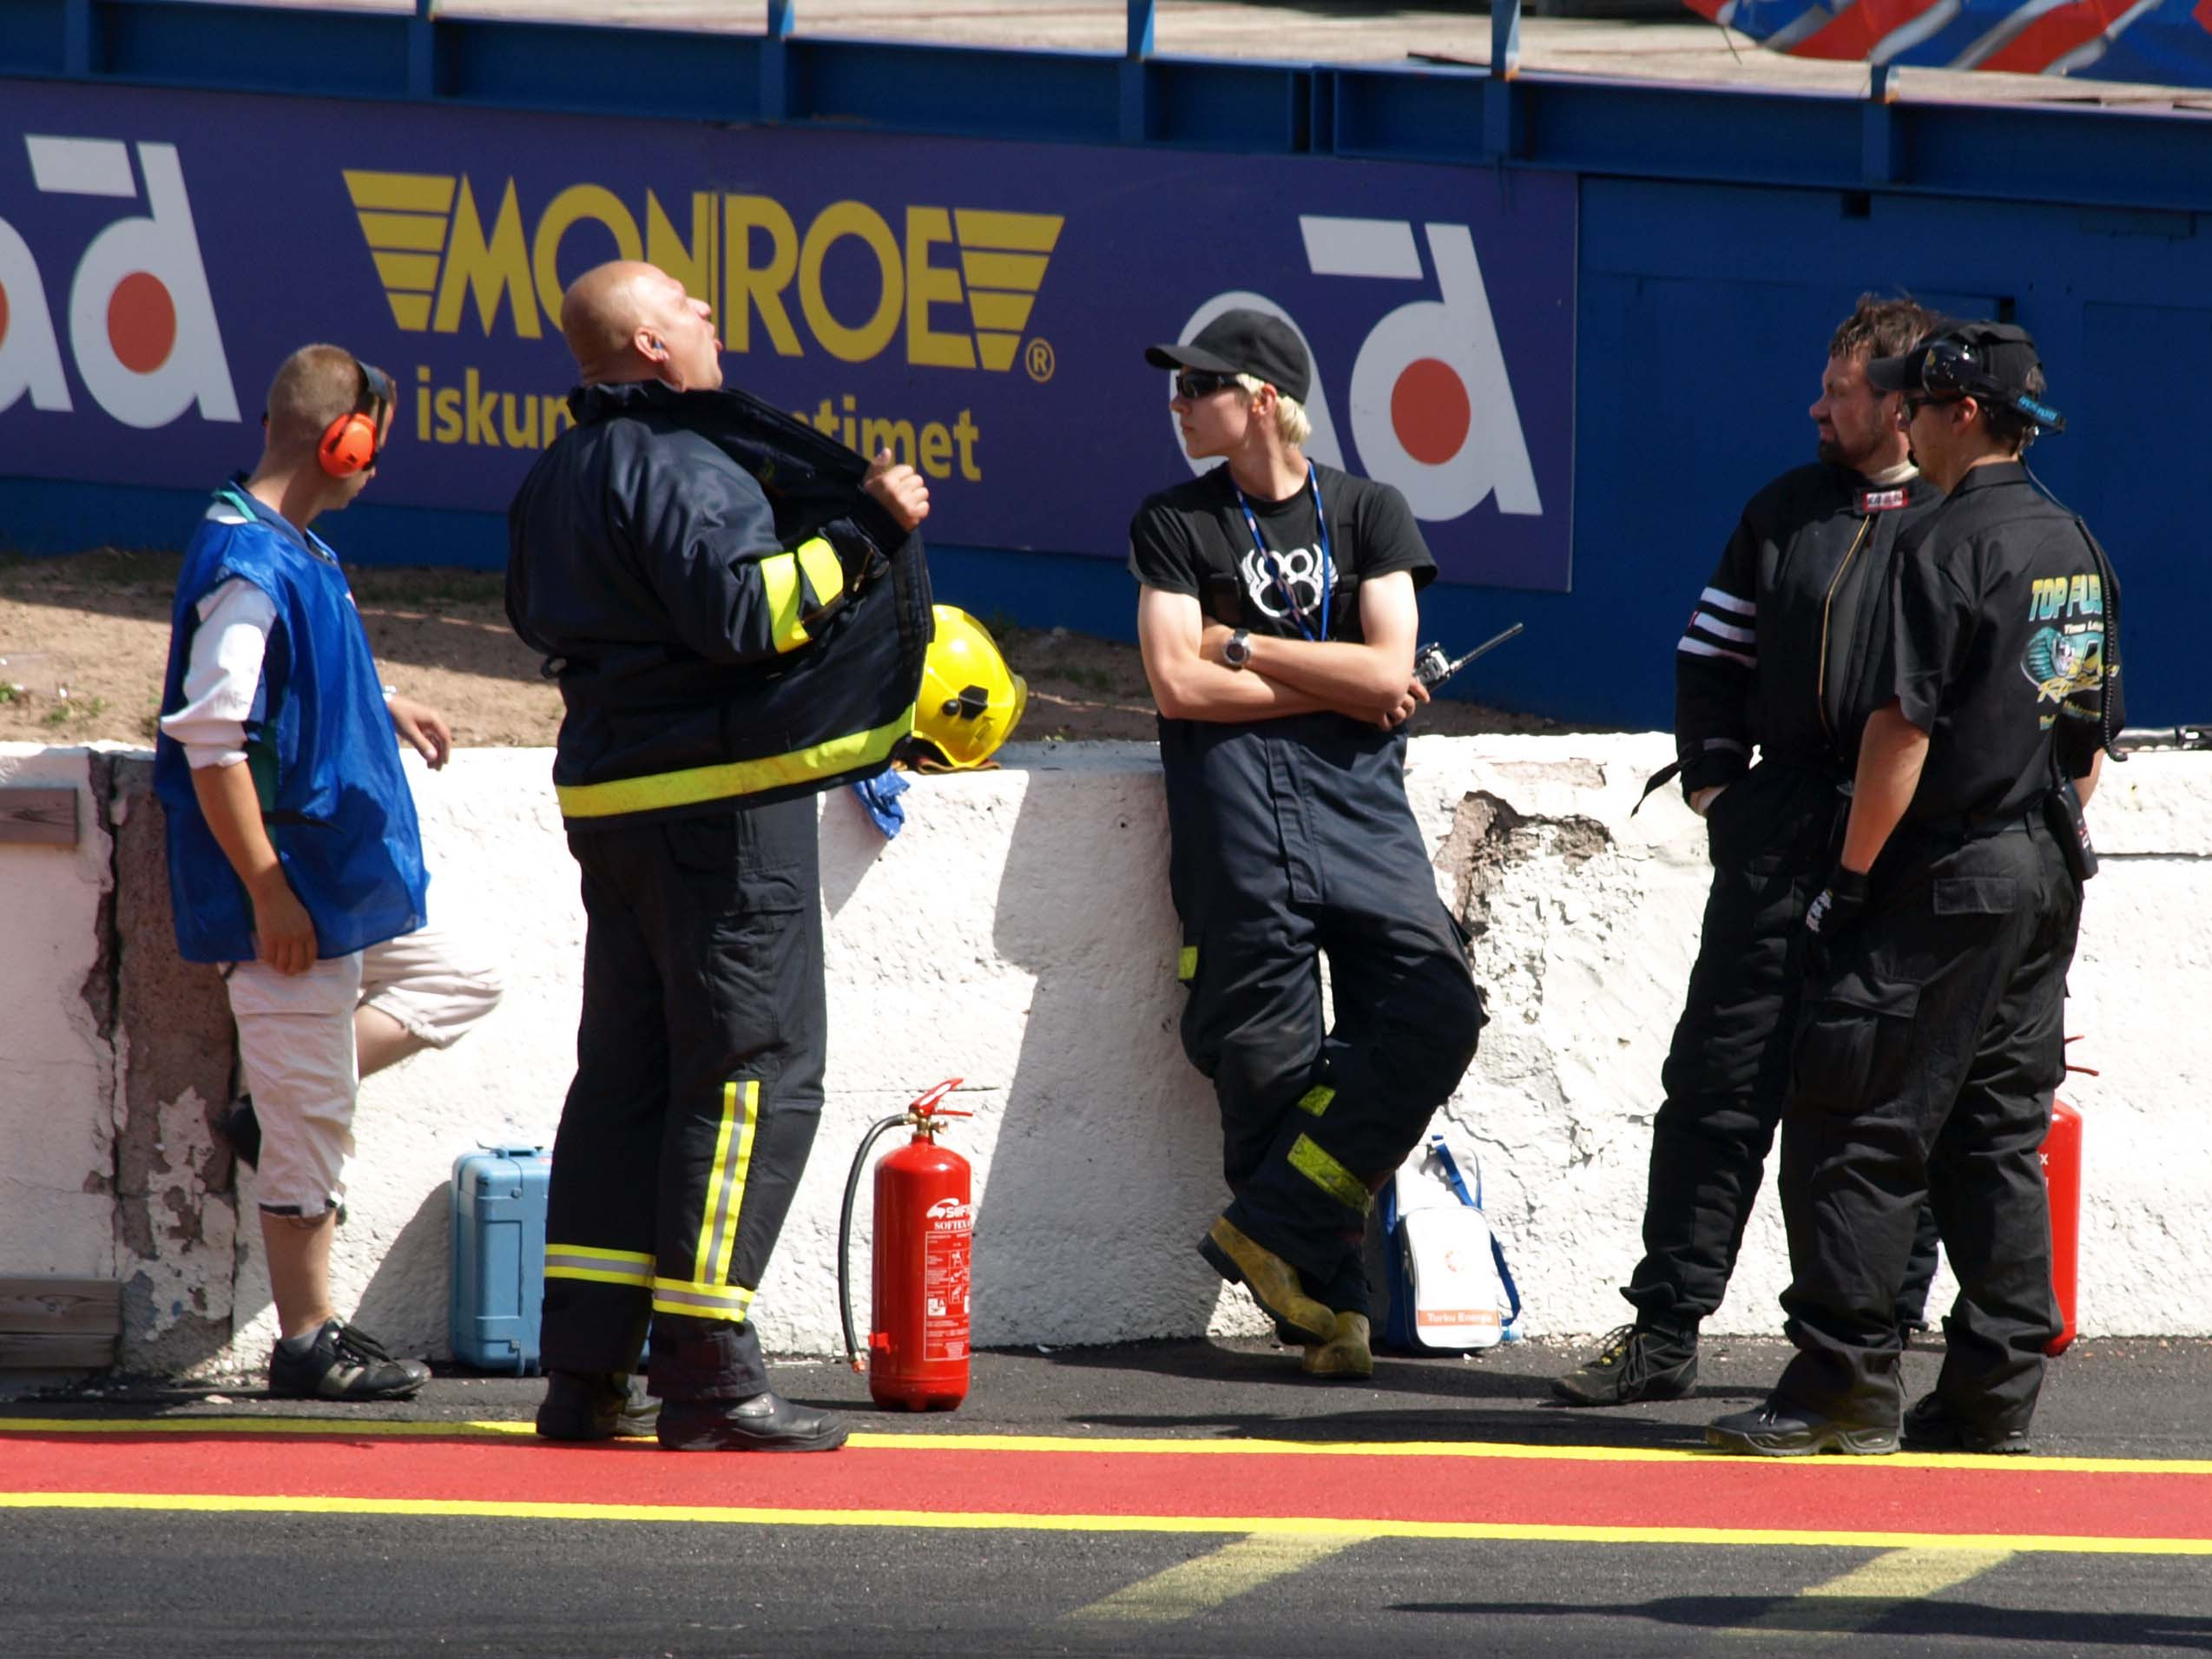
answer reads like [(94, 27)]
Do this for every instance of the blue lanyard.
[(1274, 567)]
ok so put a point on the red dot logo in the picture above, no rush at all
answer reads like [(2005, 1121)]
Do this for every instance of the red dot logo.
[(1430, 412), (142, 323), (3, 314)]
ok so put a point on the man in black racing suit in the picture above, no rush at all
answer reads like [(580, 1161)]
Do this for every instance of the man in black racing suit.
[(1780, 653)]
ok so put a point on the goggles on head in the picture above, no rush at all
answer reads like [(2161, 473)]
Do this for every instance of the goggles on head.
[(1950, 367)]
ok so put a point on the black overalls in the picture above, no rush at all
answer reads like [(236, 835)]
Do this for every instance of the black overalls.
[(735, 626), (1791, 631), (1934, 1040), (1292, 838)]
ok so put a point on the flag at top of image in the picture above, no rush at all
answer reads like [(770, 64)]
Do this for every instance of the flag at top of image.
[(2160, 43)]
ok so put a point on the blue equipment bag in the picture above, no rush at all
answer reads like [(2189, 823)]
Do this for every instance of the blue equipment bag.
[(1450, 1289), (499, 1257)]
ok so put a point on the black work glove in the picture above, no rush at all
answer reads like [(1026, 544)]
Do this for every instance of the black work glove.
[(1834, 911)]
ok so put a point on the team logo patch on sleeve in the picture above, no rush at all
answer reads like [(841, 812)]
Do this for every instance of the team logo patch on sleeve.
[(1880, 501)]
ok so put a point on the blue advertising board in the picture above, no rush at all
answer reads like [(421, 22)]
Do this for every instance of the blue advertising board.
[(978, 308)]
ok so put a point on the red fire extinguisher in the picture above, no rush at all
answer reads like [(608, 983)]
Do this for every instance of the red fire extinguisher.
[(2061, 1158), (918, 1347)]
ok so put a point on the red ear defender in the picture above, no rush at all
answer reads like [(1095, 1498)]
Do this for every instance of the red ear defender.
[(349, 444)]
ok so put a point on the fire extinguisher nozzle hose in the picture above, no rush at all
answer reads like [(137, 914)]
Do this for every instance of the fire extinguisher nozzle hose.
[(845, 1235)]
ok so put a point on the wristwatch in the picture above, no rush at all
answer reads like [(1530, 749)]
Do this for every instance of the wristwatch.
[(1236, 650)]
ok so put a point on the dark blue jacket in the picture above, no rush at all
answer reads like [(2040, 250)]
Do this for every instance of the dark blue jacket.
[(732, 620)]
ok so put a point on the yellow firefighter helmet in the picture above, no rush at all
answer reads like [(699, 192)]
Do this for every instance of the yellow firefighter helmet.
[(970, 700)]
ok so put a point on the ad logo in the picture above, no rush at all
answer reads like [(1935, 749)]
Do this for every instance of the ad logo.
[(1431, 407), (142, 326), (962, 307)]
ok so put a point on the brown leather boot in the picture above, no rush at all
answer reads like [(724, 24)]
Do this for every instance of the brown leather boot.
[(1345, 1354), (1272, 1281)]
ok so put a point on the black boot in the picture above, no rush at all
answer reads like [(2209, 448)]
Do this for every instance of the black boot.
[(1637, 1362), (596, 1405), (767, 1422), (1779, 1429), (1930, 1426)]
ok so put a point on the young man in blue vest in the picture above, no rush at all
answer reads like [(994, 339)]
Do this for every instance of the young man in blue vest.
[(294, 861)]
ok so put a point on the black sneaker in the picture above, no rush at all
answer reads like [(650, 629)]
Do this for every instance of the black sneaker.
[(1781, 1430), (1636, 1363), (596, 1405), (1930, 1426), (243, 1130), (767, 1422), (344, 1362)]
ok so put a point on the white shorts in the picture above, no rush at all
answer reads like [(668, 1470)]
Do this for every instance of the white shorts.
[(295, 1045)]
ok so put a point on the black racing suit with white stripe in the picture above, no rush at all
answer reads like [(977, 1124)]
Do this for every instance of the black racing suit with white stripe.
[(1787, 645)]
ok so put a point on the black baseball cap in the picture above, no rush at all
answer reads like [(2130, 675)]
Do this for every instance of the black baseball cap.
[(1256, 343), (1990, 361)]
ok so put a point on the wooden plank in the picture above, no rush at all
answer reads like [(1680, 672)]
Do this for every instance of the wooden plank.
[(52, 1304), (19, 1351), (38, 815)]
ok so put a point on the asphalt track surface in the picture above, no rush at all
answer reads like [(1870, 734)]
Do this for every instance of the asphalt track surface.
[(1163, 1498)]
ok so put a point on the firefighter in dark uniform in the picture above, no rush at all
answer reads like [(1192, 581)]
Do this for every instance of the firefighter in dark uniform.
[(1784, 642), (737, 612), (1277, 617), (1934, 1037)]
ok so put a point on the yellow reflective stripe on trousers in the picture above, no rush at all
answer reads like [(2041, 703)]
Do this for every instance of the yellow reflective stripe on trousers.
[(602, 1267), (817, 559), (1187, 963), (733, 779), (1316, 1100), (726, 1181), (1325, 1172), (701, 1302)]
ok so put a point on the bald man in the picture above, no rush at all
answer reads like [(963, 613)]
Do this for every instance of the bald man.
[(736, 607)]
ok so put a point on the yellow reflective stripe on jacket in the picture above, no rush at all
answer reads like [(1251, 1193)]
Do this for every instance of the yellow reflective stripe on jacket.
[(1187, 963), (731, 779), (726, 1181), (1316, 1100), (780, 586), (817, 559), (780, 572), (602, 1267), (701, 1302), (1317, 1165)]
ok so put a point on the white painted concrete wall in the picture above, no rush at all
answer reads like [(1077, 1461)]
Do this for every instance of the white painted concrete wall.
[(1018, 934), (56, 1066)]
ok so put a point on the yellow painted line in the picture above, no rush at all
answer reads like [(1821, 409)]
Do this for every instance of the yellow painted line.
[(1854, 1602), (1198, 1586), (985, 1521), (347, 1428)]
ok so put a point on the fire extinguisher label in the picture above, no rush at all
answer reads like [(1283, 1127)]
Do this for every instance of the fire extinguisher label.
[(944, 1280)]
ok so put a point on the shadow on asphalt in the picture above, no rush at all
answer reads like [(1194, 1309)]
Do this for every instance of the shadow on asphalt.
[(1459, 1399), (1874, 1618)]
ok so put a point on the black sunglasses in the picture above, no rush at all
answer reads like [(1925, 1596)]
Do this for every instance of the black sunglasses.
[(1915, 402), (1201, 383)]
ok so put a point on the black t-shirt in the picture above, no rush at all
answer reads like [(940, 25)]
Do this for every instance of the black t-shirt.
[(2000, 614), (1193, 539)]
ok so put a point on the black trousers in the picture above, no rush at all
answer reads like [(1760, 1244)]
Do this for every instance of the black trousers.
[(697, 1092), (1315, 1115), (1772, 835), (1926, 1069)]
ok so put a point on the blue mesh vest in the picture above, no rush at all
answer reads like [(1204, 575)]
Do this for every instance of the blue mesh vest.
[(319, 741)]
